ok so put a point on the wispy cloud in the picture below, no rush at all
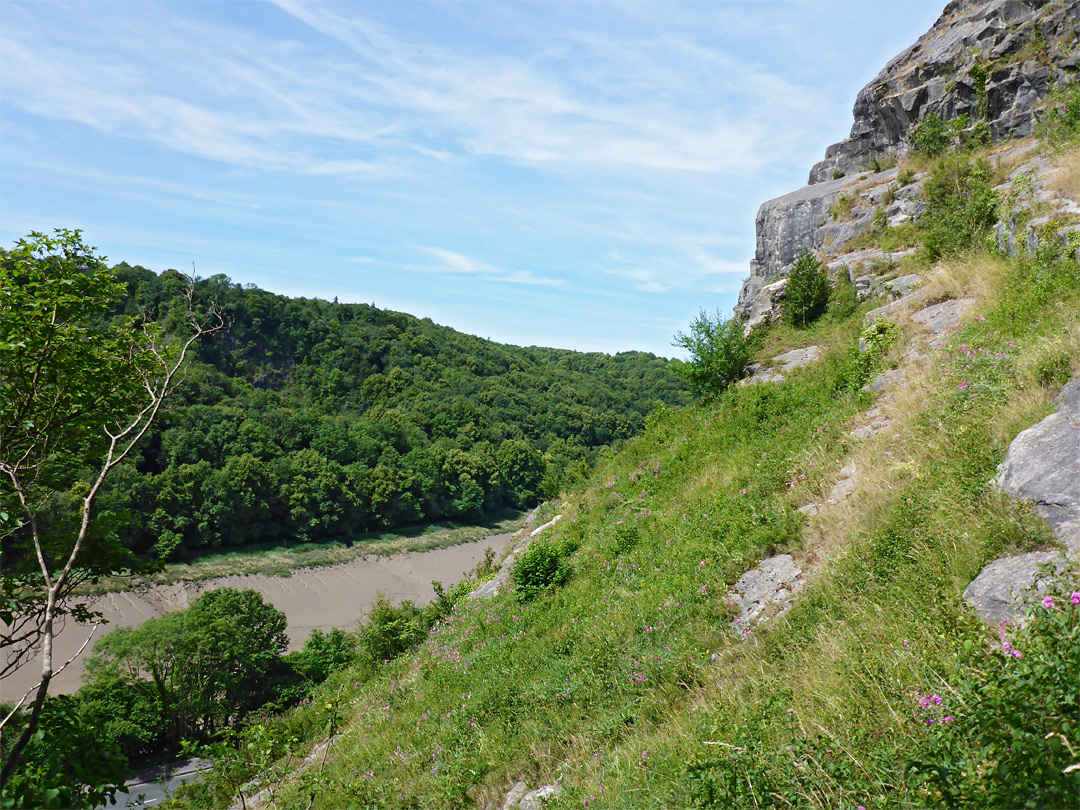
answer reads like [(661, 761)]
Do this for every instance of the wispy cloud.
[(450, 263), (250, 99)]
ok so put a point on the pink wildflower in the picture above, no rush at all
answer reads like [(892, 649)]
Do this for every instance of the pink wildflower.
[(1074, 598), (1048, 602)]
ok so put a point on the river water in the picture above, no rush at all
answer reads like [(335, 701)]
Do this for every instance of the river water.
[(323, 598)]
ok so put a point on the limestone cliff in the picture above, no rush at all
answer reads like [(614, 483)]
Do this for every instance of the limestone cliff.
[(993, 61)]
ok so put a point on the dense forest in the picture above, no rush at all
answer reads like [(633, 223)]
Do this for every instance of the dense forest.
[(311, 421)]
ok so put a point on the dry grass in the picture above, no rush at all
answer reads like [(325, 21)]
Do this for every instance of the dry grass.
[(1065, 179)]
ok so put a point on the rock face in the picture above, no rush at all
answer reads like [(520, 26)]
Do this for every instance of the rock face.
[(1043, 466), (992, 61)]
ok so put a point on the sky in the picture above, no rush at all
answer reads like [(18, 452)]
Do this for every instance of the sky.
[(582, 175)]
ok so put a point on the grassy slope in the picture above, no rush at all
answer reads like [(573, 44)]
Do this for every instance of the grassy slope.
[(626, 684)]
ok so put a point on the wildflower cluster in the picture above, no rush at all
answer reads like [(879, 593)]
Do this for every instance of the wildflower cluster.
[(932, 709)]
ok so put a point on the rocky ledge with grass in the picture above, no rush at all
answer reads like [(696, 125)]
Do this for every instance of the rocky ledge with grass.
[(994, 62), (1043, 467)]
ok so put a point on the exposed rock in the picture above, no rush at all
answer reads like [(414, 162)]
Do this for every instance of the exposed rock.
[(789, 361), (878, 422), (513, 798), (1043, 466), (846, 485), (766, 590), (809, 509), (941, 318), (945, 73), (887, 378), (537, 798), (998, 590)]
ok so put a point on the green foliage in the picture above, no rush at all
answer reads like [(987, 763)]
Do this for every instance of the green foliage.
[(807, 291), (931, 136), (961, 206), (65, 765), (719, 352), (389, 630), (322, 654), (1006, 734), (542, 565), (1059, 124), (875, 342), (208, 666), (316, 422), (934, 137), (841, 208)]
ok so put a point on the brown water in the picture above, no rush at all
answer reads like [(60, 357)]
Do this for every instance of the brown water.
[(323, 598)]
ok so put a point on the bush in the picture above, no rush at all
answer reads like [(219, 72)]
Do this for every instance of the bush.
[(1008, 734), (541, 566), (961, 206), (1060, 124), (807, 292), (719, 352)]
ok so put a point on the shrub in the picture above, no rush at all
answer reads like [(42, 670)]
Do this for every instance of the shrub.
[(1007, 734), (1060, 123), (541, 566), (719, 352), (807, 292), (961, 206), (875, 342), (931, 136)]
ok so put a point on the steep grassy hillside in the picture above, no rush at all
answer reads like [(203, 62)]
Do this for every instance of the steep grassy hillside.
[(628, 684)]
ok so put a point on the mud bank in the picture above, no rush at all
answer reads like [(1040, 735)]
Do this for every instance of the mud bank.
[(323, 598)]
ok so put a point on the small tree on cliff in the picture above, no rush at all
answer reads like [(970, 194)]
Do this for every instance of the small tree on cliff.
[(807, 292), (719, 351), (78, 390)]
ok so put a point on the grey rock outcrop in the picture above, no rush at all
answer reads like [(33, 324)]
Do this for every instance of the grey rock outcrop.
[(521, 798), (999, 590), (787, 362), (1042, 466), (765, 591), (941, 318), (992, 61)]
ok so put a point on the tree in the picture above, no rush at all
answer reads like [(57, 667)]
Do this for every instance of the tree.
[(209, 665), (719, 351), (807, 291), (79, 387)]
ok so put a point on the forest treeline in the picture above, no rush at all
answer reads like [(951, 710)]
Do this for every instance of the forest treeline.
[(312, 421)]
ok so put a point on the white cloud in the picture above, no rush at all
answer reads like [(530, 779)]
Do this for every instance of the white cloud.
[(247, 99), (449, 262)]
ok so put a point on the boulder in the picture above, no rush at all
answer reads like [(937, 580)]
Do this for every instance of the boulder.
[(1043, 466), (999, 589), (941, 318), (535, 800), (769, 589)]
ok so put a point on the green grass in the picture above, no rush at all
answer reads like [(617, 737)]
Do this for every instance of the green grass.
[(627, 685)]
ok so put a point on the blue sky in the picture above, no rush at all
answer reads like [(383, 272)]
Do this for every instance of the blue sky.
[(572, 174)]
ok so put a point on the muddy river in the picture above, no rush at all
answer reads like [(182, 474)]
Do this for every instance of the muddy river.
[(323, 598)]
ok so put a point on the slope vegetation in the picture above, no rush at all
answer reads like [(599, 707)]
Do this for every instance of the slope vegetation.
[(610, 668)]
